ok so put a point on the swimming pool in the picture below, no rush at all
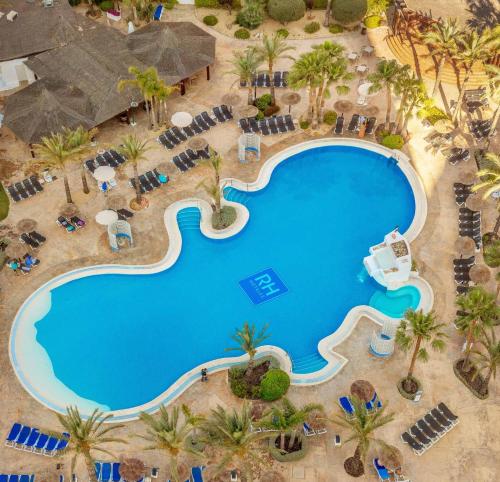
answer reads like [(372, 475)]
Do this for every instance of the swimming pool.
[(119, 341)]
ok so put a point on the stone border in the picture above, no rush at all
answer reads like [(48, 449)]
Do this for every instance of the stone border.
[(35, 306)]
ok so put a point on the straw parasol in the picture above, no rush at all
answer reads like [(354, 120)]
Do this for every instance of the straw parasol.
[(15, 249), (26, 225), (480, 273), (197, 143), (69, 210), (475, 202), (460, 141), (467, 176), (104, 174), (132, 469), (370, 110), (106, 217), (181, 119), (231, 99), (343, 105), (443, 126), (248, 111), (363, 390), (465, 246), (390, 457), (117, 201), (290, 98), (182, 470), (272, 476)]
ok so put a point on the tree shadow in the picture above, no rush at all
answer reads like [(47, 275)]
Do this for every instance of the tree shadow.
[(485, 14)]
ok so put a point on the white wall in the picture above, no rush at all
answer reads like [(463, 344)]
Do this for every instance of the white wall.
[(12, 72)]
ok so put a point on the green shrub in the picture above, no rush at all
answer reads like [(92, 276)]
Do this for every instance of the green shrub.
[(74, 3), (330, 117), (491, 253), (312, 27), (260, 115), (106, 5), (206, 3), (242, 34), (336, 28), (377, 7), (4, 203), (373, 21), (225, 218), (286, 10), (251, 15), (170, 4), (348, 12), (283, 32), (393, 141), (263, 101), (274, 384), (210, 20), (304, 124), (432, 114)]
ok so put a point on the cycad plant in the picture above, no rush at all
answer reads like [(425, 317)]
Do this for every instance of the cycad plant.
[(416, 330), (487, 357), (133, 149), (86, 437), (245, 66)]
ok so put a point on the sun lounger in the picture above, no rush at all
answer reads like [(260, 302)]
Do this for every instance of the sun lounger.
[(206, 117), (22, 437), (117, 156), (14, 194), (41, 443), (346, 406), (165, 142), (179, 164), (308, 431), (105, 471), (185, 159), (441, 419), (29, 188), (63, 442), (25, 238), (263, 127), (36, 183), (158, 12), (427, 430), (31, 440), (289, 122), (353, 124), (382, 472), (447, 413), (277, 79), (218, 114), (100, 161), (195, 127), (13, 434), (204, 153), (110, 160), (244, 125), (116, 472), (370, 125), (462, 290), (63, 222), (201, 123), (273, 127), (51, 446), (197, 474), (179, 134), (254, 125), (227, 113), (77, 222), (416, 446), (434, 425), (152, 179), (420, 436), (25, 478), (188, 131), (280, 121), (145, 183), (20, 189)]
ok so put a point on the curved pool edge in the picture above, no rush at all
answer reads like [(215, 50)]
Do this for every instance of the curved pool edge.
[(335, 361)]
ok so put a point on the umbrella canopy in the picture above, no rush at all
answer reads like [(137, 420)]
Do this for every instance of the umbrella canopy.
[(181, 119), (69, 210), (370, 110), (248, 111), (117, 201), (475, 202), (390, 457), (363, 390), (443, 126), (106, 217), (16, 249), (460, 142), (132, 469), (467, 176), (480, 273), (197, 143), (343, 105), (231, 98), (26, 225), (182, 470), (364, 89), (291, 98), (272, 476), (465, 246), (104, 173)]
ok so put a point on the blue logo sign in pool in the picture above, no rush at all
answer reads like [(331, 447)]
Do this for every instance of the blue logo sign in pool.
[(263, 286)]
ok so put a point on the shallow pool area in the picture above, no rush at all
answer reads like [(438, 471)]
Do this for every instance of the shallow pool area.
[(118, 341)]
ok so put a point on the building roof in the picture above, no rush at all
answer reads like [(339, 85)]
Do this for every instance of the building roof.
[(37, 28)]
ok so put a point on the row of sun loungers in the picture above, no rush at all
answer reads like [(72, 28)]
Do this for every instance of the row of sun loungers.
[(429, 429), (17, 478), (457, 154), (462, 192), (33, 239), (469, 224), (72, 224), (109, 158), (187, 160), (271, 125), (310, 432), (264, 80), (345, 403), (24, 189), (354, 125), (23, 437), (461, 273), (149, 180), (107, 471)]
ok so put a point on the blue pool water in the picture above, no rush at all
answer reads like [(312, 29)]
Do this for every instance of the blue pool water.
[(122, 340)]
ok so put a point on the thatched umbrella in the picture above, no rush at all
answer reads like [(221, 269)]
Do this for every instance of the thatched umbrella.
[(390, 457), (443, 126), (248, 111), (197, 143), (117, 201), (26, 225), (467, 176), (16, 249), (181, 119), (460, 141), (272, 476), (289, 99), (363, 390), (232, 99), (132, 469), (465, 246), (343, 105), (475, 202), (69, 210), (370, 110), (182, 470), (480, 273)]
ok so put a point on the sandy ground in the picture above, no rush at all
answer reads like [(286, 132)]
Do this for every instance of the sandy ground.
[(469, 453)]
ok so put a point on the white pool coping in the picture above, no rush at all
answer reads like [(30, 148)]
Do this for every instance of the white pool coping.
[(26, 353)]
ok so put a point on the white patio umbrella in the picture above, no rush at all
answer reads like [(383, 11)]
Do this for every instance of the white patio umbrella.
[(106, 217), (364, 89), (104, 173), (181, 119)]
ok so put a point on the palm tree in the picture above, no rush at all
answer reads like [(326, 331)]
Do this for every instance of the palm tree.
[(328, 13), (133, 150), (473, 48), (231, 433), (287, 418), (247, 340), (169, 434), (416, 98), (79, 142), (416, 329), (362, 426), (215, 161), (489, 174), (245, 65), (493, 92), (162, 94), (406, 82), (441, 38), (480, 309), (87, 436), (488, 359), (385, 77), (214, 190), (272, 49)]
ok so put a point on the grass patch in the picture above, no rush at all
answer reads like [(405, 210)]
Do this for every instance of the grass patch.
[(225, 218), (4, 203)]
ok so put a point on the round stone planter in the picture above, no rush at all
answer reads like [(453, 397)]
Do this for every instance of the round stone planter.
[(404, 393), (291, 457)]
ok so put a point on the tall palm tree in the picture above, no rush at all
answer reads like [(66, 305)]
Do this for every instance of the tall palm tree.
[(362, 427), (441, 38), (487, 359), (162, 94), (167, 433), (385, 77), (231, 433), (215, 161), (328, 13), (87, 436), (245, 65), (272, 49), (414, 331), (247, 339), (287, 419), (473, 48), (406, 82), (416, 98), (489, 175), (480, 309), (133, 149), (214, 190)]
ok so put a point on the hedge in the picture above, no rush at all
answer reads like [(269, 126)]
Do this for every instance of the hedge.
[(4, 203), (393, 141), (274, 384), (286, 10), (348, 12)]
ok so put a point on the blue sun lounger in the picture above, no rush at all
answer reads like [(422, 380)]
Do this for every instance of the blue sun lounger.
[(197, 474), (158, 12), (13, 434), (347, 406), (23, 436), (105, 471), (98, 470), (382, 472), (30, 443), (41, 443), (116, 472)]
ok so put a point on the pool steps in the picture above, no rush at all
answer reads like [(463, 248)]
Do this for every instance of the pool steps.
[(308, 363)]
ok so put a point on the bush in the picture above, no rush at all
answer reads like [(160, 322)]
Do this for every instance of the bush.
[(336, 28), (330, 117), (348, 12), (274, 384), (210, 20), (283, 32), (304, 124), (4, 203), (170, 4), (106, 5), (432, 114), (372, 21), (242, 34), (206, 3), (263, 101), (260, 115), (286, 10), (225, 218), (312, 27), (74, 3), (251, 16), (491, 253), (393, 141)]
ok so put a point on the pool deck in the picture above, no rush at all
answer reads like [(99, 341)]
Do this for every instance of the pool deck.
[(469, 453)]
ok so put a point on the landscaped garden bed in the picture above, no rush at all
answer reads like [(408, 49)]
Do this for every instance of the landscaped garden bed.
[(471, 379)]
